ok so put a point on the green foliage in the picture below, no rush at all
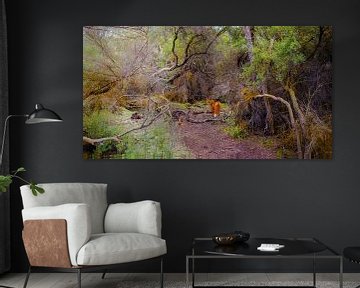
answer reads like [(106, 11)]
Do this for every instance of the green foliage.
[(154, 143), (6, 180), (277, 50), (181, 106), (36, 189), (176, 96), (104, 149), (99, 124), (234, 38), (237, 131), (268, 143), (20, 169), (231, 44), (164, 39)]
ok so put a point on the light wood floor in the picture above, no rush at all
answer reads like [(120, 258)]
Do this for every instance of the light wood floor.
[(68, 280)]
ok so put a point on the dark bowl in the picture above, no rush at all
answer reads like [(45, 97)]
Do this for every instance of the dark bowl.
[(225, 239), (231, 238)]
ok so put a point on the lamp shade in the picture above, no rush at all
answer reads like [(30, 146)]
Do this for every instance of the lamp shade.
[(42, 115)]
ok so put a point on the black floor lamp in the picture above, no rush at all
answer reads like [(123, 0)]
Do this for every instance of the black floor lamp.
[(39, 115)]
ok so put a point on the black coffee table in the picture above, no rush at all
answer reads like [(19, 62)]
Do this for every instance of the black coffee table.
[(295, 248)]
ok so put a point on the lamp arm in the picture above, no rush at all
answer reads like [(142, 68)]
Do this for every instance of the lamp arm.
[(4, 134)]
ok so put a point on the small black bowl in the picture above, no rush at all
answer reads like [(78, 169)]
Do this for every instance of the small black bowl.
[(231, 238), (225, 239)]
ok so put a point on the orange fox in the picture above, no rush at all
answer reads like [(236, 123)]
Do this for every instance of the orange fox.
[(215, 107)]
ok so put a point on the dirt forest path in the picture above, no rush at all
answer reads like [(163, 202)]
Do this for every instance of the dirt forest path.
[(209, 141)]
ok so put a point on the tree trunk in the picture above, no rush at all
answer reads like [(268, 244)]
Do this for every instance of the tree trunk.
[(254, 107), (249, 42), (296, 106), (299, 113), (269, 115), (269, 121), (292, 120)]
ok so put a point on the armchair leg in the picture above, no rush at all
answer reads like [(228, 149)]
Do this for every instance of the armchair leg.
[(27, 277), (103, 275), (79, 277), (161, 273)]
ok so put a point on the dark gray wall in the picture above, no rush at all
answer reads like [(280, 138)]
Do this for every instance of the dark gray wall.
[(267, 198)]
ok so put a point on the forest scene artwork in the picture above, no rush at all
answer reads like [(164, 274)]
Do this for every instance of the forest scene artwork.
[(207, 92)]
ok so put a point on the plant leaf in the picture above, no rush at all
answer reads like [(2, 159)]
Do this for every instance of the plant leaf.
[(20, 169), (5, 182), (39, 189), (35, 189)]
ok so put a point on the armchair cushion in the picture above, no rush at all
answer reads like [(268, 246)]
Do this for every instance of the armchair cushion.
[(92, 194), (138, 217), (113, 248), (78, 221)]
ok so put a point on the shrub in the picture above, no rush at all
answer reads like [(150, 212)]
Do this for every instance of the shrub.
[(105, 149), (287, 144), (320, 138), (237, 131), (152, 143), (318, 141), (98, 124), (288, 139), (176, 96)]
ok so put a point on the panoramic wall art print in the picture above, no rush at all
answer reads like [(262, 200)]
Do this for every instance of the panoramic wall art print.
[(207, 92)]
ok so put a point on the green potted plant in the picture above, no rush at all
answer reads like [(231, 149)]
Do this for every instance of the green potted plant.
[(6, 180)]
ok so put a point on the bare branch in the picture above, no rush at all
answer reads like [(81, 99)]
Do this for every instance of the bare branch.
[(205, 120), (117, 138), (176, 65), (176, 57)]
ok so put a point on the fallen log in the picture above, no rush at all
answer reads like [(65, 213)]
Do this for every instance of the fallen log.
[(205, 120), (94, 142), (146, 123), (200, 112)]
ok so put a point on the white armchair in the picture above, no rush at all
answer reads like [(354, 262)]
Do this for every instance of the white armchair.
[(72, 228)]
